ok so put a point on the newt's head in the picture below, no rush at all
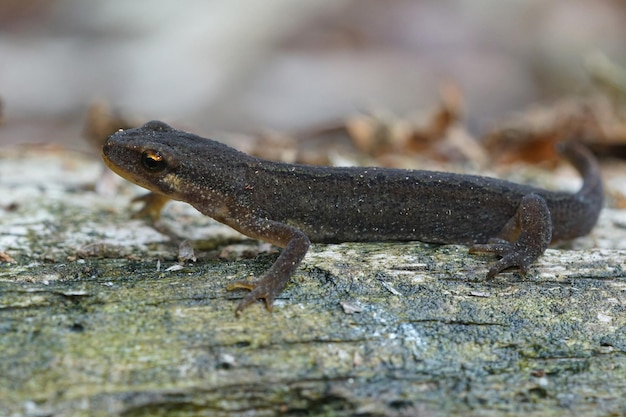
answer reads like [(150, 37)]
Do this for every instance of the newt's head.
[(145, 156), (171, 162)]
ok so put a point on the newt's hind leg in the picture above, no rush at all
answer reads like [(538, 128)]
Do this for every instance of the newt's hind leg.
[(535, 233)]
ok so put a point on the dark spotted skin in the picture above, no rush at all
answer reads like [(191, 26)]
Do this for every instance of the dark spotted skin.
[(293, 205)]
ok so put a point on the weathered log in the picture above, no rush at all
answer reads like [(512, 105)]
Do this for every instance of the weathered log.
[(90, 326)]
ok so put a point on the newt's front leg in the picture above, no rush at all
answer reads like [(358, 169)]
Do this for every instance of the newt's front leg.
[(153, 204), (274, 281), (534, 223)]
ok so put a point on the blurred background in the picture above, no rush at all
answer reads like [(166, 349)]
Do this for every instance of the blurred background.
[(286, 65)]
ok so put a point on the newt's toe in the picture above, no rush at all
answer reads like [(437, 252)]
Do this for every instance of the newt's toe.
[(513, 255), (259, 290), (246, 285), (506, 262)]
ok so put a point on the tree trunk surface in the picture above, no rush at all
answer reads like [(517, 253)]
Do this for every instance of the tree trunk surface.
[(99, 318)]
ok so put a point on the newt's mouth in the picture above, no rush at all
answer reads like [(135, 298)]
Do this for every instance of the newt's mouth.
[(111, 151), (124, 161)]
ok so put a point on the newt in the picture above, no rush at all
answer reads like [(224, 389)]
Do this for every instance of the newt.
[(292, 205)]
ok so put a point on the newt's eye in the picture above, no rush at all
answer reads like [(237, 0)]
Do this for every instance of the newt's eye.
[(153, 161)]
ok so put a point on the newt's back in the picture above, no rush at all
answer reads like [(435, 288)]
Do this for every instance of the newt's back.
[(374, 204)]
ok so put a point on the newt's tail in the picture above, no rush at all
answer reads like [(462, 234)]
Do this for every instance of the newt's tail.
[(591, 194)]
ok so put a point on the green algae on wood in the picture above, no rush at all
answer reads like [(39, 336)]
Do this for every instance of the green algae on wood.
[(426, 334)]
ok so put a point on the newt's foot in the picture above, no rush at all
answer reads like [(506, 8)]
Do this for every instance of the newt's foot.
[(535, 225), (263, 288), (152, 205), (513, 255)]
